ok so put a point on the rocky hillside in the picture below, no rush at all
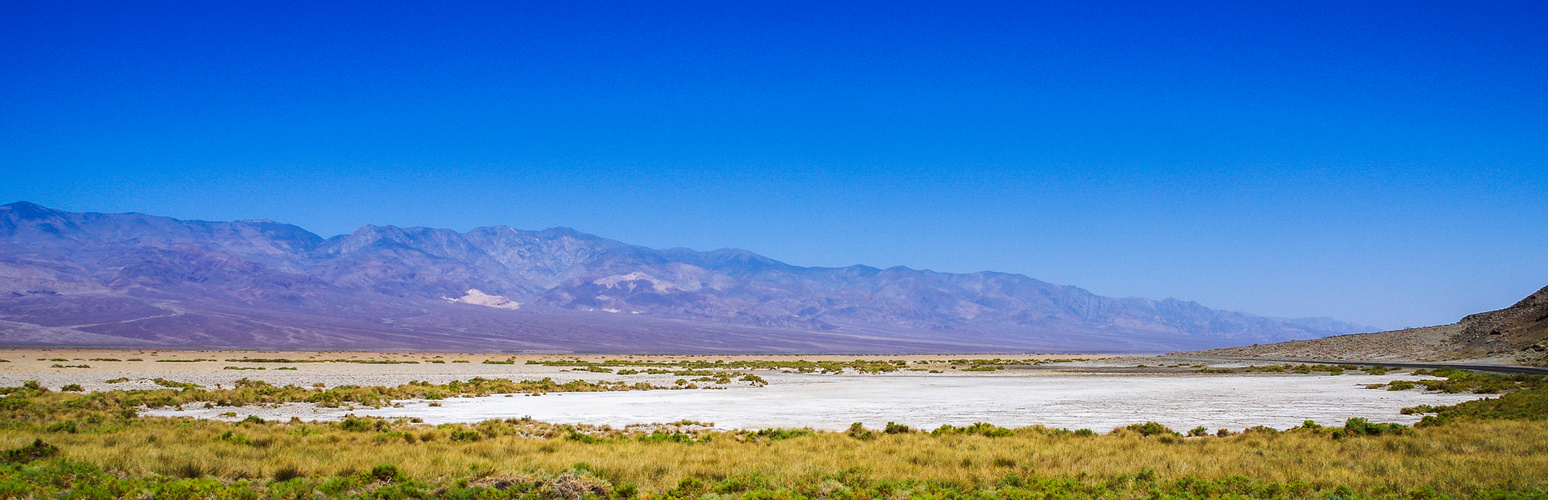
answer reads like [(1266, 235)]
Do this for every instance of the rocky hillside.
[(133, 279), (1519, 331), (1514, 335)]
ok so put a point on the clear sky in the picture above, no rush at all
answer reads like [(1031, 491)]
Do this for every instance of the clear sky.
[(1382, 163)]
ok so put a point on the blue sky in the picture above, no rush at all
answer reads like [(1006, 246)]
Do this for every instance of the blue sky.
[(1382, 163)]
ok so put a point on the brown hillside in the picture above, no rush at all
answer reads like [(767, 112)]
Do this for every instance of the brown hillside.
[(1520, 330), (1514, 335)]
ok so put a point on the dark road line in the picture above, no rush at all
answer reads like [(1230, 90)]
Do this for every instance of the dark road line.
[(1529, 370)]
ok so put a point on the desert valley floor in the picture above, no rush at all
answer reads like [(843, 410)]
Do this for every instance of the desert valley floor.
[(1073, 392)]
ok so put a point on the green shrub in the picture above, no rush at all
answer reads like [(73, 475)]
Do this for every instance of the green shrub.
[(234, 438), (1149, 429), (1363, 427), (38, 450), (858, 431), (583, 438), (369, 424), (667, 437), (175, 385), (386, 473), (978, 428), (780, 434)]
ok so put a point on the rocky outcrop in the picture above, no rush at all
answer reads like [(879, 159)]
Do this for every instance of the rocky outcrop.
[(1514, 335), (1520, 330)]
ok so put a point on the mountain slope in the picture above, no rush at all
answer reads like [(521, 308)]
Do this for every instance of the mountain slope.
[(1514, 335), (133, 279)]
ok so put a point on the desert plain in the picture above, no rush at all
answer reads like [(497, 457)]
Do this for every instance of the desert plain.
[(926, 391)]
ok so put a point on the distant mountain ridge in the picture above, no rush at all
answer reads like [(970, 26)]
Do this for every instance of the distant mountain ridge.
[(134, 279)]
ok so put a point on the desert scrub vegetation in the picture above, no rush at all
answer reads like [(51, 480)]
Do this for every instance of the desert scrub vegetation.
[(798, 366), (1456, 381), (102, 448), (699, 367), (1525, 397), (1307, 369), (385, 481), (376, 458), (32, 401)]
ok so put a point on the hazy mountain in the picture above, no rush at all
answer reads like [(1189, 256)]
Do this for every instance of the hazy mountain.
[(133, 279)]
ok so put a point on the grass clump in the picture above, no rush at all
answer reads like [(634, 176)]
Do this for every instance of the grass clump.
[(38, 450), (779, 434), (1148, 429), (977, 429), (175, 385), (1363, 427)]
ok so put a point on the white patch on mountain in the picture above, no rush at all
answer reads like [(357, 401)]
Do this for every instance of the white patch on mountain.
[(478, 298), (625, 280)]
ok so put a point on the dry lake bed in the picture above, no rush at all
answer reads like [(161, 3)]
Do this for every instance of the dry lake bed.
[(1097, 394)]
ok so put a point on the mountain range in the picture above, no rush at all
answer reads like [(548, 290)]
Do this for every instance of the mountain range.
[(93, 279)]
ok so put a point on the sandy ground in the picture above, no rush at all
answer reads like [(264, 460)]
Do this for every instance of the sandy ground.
[(1095, 394), (36, 364)]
